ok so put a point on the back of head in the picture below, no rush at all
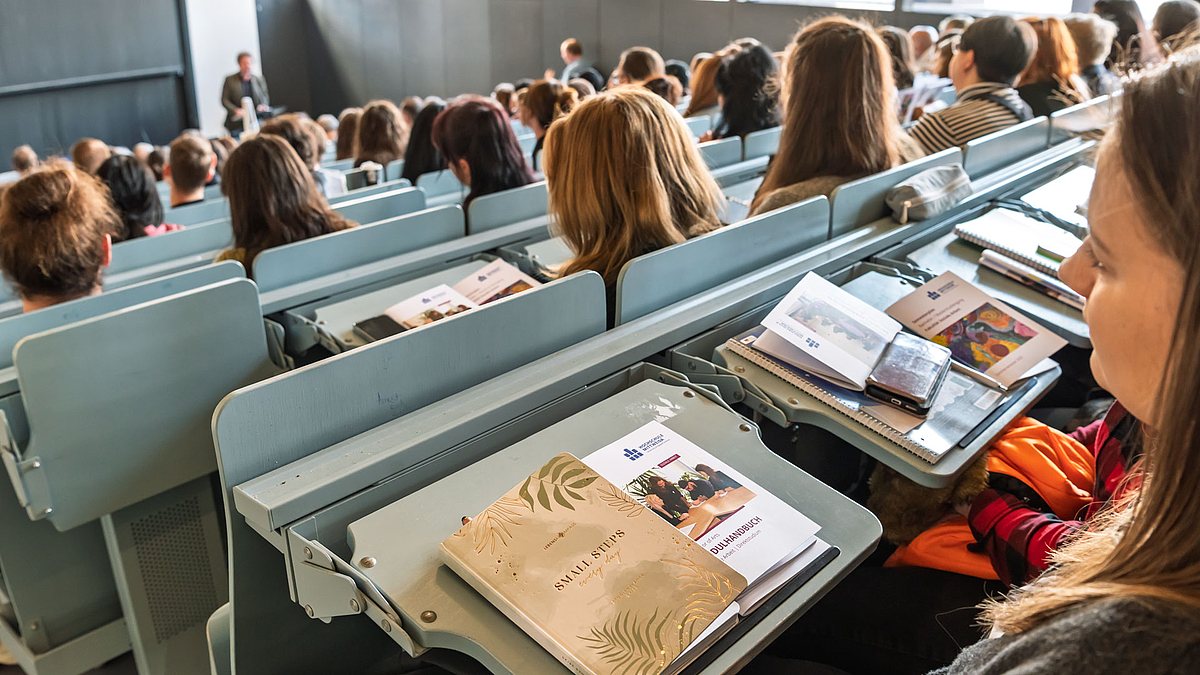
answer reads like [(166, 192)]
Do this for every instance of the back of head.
[(1093, 37), (24, 159), (946, 46), (546, 100), (381, 133), (503, 93), (955, 22), (625, 178), (299, 135), (1135, 45), (523, 83), (594, 78), (704, 83), (680, 71), (1055, 60), (922, 39), (156, 161), (639, 64), (329, 124), (133, 194), (409, 108), (746, 80), (272, 197), (1176, 22), (422, 157), (53, 225), (348, 132), (190, 160), (900, 49), (474, 129), (582, 87), (88, 153), (667, 87), (572, 47), (1003, 48), (839, 117)]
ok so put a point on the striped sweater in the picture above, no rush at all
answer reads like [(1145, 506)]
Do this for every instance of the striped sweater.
[(971, 117)]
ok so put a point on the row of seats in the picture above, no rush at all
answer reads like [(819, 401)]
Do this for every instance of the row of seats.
[(116, 513)]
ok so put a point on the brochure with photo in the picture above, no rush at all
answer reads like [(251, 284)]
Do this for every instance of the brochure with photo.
[(980, 331), (748, 528), (831, 333), (497, 280), (435, 304)]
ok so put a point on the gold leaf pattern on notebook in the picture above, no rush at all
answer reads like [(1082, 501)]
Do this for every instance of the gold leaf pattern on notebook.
[(709, 594), (558, 483), (609, 494), (492, 527), (633, 645)]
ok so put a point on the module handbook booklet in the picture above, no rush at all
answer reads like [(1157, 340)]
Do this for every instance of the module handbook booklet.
[(746, 527)]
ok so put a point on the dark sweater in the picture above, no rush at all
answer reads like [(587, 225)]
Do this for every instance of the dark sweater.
[(1109, 636)]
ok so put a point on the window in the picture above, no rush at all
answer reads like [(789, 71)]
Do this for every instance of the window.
[(1022, 7)]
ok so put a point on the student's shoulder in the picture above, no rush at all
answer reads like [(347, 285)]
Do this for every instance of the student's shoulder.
[(798, 192), (238, 254)]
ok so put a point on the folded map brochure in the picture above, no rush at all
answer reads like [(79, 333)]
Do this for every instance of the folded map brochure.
[(753, 531), (495, 281), (826, 331), (593, 576)]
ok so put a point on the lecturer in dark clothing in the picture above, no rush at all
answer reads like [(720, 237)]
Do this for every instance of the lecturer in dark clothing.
[(240, 84)]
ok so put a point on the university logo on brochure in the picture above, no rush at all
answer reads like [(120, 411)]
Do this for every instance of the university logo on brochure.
[(933, 295), (631, 454)]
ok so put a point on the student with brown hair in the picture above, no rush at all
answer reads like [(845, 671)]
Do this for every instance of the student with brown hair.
[(505, 95), (382, 135), (666, 86), (24, 160), (88, 153), (904, 68), (1177, 24), (190, 166), (839, 123), (1052, 82), (704, 85), (747, 92), (546, 101), (56, 229), (347, 133), (272, 200), (478, 143), (308, 140), (639, 64), (626, 179), (409, 108), (1135, 46)]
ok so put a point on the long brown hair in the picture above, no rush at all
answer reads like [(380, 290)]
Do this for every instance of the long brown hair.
[(1148, 548), (272, 198), (1056, 60), (704, 82), (476, 130), (382, 135), (52, 227), (348, 133), (547, 100), (626, 178), (840, 115)]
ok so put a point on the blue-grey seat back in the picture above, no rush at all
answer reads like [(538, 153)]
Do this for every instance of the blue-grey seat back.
[(996, 151), (722, 153), (761, 143), (507, 207), (194, 214), (383, 206)]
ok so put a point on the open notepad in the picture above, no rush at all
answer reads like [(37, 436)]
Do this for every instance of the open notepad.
[(1021, 238)]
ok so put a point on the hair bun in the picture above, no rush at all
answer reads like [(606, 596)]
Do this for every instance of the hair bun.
[(41, 194)]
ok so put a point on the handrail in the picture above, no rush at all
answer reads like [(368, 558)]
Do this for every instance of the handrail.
[(90, 80)]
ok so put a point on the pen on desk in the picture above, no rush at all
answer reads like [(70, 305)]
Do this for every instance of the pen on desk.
[(977, 376)]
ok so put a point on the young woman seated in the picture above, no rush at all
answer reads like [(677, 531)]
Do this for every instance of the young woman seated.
[(546, 101), (625, 179), (381, 135), (746, 92), (421, 157), (1052, 81), (56, 232), (272, 200), (480, 147), (840, 121)]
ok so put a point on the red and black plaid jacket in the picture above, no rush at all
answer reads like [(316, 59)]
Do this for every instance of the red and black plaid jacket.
[(1019, 537)]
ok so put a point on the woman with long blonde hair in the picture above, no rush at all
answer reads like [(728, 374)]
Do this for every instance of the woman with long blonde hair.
[(839, 114), (625, 179), (1052, 82)]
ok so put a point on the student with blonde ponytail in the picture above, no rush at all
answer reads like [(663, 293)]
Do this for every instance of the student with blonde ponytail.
[(544, 102), (839, 114), (1119, 590), (625, 179)]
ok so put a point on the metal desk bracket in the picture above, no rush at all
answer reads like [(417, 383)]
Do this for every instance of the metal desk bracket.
[(730, 385), (26, 473)]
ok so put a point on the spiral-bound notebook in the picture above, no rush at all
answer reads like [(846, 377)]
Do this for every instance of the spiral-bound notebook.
[(961, 404), (1019, 237)]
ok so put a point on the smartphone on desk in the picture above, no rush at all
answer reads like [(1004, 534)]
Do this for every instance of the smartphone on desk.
[(909, 374), (377, 328)]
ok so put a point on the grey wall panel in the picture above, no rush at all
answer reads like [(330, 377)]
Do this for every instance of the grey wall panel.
[(423, 37), (628, 23), (580, 20), (382, 34), (690, 24), (516, 39), (468, 47), (284, 38)]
